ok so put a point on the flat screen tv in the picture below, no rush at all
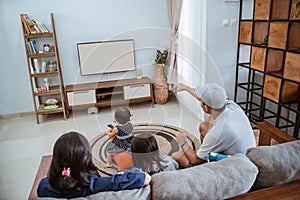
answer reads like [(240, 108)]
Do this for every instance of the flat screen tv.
[(106, 56)]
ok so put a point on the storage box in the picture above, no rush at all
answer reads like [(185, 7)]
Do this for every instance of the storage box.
[(290, 90), (262, 9), (245, 32), (275, 61), (260, 32), (292, 67), (258, 56), (280, 9), (278, 34), (294, 35), (295, 14)]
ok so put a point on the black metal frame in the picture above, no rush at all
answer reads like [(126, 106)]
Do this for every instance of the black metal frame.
[(254, 89)]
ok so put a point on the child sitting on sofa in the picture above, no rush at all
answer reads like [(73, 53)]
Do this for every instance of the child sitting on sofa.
[(146, 154), (73, 174), (120, 135)]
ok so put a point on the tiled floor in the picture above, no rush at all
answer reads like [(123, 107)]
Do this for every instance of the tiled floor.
[(23, 142)]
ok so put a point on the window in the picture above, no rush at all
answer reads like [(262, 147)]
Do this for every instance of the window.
[(191, 49)]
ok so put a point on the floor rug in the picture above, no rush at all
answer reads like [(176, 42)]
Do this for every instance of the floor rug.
[(165, 135)]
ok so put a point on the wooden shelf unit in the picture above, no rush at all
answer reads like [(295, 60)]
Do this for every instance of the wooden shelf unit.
[(272, 37), (108, 93), (56, 90)]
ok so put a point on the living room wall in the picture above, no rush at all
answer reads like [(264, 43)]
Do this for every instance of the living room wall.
[(221, 43), (77, 21)]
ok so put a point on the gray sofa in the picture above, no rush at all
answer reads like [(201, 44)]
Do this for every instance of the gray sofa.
[(261, 167)]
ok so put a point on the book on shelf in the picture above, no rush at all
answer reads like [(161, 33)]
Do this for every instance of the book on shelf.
[(28, 48), (42, 26), (36, 64), (31, 47), (30, 24), (25, 25), (33, 26)]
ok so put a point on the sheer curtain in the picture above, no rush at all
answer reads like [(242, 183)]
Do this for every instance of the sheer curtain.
[(191, 50), (174, 19)]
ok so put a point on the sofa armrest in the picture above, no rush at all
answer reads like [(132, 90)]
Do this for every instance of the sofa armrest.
[(41, 173), (268, 132)]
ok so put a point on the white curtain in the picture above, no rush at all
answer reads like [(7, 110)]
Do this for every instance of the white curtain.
[(191, 57), (174, 19)]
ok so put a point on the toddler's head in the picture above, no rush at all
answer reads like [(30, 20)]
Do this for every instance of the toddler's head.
[(122, 115)]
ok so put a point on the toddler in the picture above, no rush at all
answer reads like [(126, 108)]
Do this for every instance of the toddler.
[(120, 135)]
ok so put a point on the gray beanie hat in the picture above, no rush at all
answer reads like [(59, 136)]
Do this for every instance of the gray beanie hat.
[(212, 95)]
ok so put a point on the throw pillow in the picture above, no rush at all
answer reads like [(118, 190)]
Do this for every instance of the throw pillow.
[(277, 164), (216, 180)]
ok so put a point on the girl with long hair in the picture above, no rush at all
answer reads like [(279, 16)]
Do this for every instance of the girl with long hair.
[(73, 174)]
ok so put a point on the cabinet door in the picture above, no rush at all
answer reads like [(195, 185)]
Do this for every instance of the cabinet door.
[(82, 97), (137, 91)]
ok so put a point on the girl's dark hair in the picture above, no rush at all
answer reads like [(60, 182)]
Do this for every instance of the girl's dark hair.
[(71, 150), (122, 115), (145, 151)]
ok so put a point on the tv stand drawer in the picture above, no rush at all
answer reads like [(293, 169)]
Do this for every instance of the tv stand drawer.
[(137, 91), (81, 97)]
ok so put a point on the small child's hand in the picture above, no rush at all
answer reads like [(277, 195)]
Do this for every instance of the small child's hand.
[(114, 131), (111, 132), (108, 133)]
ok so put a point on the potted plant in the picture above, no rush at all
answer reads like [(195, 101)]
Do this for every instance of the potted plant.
[(161, 92), (161, 56)]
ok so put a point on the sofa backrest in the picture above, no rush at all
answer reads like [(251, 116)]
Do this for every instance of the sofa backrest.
[(277, 164), (215, 180)]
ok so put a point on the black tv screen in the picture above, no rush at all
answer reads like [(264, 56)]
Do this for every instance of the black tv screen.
[(106, 56)]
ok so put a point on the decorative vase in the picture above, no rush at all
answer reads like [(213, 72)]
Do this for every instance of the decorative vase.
[(161, 92)]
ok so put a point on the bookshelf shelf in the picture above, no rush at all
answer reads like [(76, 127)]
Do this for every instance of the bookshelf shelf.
[(43, 67), (44, 74), (41, 55), (38, 35)]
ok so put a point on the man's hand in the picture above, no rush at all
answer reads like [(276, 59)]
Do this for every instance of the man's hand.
[(181, 87)]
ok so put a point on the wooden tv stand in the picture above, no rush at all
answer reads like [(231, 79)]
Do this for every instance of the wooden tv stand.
[(108, 93)]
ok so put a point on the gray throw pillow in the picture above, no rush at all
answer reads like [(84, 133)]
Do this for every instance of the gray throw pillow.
[(277, 164), (215, 180)]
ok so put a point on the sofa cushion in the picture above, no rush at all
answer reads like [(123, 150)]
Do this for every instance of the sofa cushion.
[(277, 164), (137, 194), (215, 180)]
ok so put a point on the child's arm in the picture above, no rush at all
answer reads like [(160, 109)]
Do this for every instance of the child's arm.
[(112, 132)]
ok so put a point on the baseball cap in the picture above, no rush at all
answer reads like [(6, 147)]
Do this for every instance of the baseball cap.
[(212, 95)]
